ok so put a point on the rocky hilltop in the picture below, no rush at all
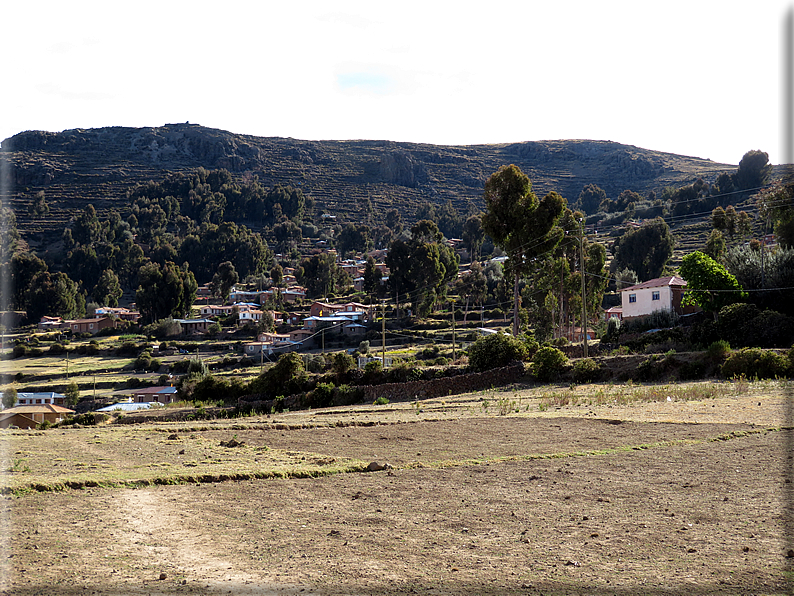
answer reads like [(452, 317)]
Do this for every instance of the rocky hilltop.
[(79, 166)]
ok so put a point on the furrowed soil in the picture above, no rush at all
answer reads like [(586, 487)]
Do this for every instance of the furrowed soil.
[(488, 493)]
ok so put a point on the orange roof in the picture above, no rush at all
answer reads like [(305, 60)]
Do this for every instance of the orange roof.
[(38, 409)]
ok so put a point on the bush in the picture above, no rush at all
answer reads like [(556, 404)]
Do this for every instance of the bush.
[(718, 350), (56, 348), (755, 363), (613, 329), (381, 401), (548, 363), (322, 396), (315, 364), (496, 350), (586, 370)]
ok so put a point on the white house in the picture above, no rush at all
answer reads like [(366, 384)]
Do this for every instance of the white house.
[(662, 293)]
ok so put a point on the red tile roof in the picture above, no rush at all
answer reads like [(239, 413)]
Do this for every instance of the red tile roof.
[(658, 282)]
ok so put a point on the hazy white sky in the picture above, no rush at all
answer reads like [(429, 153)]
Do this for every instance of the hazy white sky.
[(697, 78)]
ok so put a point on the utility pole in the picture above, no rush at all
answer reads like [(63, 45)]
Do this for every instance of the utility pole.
[(584, 301), (453, 331), (383, 336)]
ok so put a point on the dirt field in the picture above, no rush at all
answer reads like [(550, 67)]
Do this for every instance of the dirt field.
[(670, 497)]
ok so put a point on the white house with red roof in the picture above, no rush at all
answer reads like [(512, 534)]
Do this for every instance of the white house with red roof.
[(662, 293)]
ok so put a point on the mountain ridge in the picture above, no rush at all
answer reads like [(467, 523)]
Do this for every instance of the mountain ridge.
[(80, 166)]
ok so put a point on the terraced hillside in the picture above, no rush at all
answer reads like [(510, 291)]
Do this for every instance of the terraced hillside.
[(98, 166)]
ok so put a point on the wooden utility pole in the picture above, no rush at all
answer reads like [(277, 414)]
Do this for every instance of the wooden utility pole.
[(453, 332), (383, 336), (584, 301)]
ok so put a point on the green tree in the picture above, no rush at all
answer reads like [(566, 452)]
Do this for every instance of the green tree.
[(320, 274), (645, 250), (496, 350), (72, 394), (354, 238), (709, 285), (590, 199), (421, 267), (54, 295), (520, 224), (108, 289), (165, 291), (754, 170), (224, 279), (372, 277), (277, 274), (473, 235), (715, 245), (9, 397), (24, 267)]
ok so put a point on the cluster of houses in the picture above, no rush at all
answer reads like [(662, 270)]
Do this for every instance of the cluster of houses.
[(104, 318)]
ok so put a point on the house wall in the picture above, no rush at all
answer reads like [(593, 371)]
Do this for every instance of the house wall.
[(645, 304)]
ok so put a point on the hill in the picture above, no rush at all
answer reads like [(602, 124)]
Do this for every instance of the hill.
[(77, 167)]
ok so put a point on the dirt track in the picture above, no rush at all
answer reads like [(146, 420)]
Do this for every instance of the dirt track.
[(661, 498)]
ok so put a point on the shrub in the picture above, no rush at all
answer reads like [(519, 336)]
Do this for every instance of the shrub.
[(322, 396), (315, 364), (19, 351), (755, 363), (496, 350), (548, 363), (381, 401), (343, 362), (346, 395), (718, 350), (613, 329), (56, 348), (586, 370)]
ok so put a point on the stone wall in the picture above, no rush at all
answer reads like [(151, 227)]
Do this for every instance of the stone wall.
[(445, 386)]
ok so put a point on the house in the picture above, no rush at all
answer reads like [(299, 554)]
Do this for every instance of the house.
[(216, 310), (91, 325), (31, 416), (615, 312), (125, 314), (660, 294), (163, 395), (37, 399), (49, 323), (194, 326)]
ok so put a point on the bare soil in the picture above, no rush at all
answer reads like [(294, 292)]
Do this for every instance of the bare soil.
[(678, 497)]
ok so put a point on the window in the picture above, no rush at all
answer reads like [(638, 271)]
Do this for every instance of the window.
[(632, 297), (655, 296)]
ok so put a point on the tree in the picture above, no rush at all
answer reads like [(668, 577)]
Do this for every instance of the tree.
[(320, 274), (422, 266), (473, 235), (715, 245), (372, 277), (9, 397), (288, 235), (496, 350), (625, 278), (709, 285), (520, 224), (55, 295), (354, 238), (72, 394), (108, 289), (473, 287), (167, 291), (24, 267), (224, 279), (754, 170), (645, 250), (277, 274), (590, 198)]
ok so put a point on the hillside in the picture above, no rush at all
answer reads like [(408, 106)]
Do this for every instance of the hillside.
[(98, 166)]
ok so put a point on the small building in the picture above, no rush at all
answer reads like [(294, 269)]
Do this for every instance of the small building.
[(32, 416), (163, 395), (41, 398), (92, 326), (616, 312), (194, 326), (660, 294)]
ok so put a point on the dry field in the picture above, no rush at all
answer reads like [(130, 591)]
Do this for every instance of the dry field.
[(527, 491)]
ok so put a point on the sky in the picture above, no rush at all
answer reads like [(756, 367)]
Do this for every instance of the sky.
[(703, 79)]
